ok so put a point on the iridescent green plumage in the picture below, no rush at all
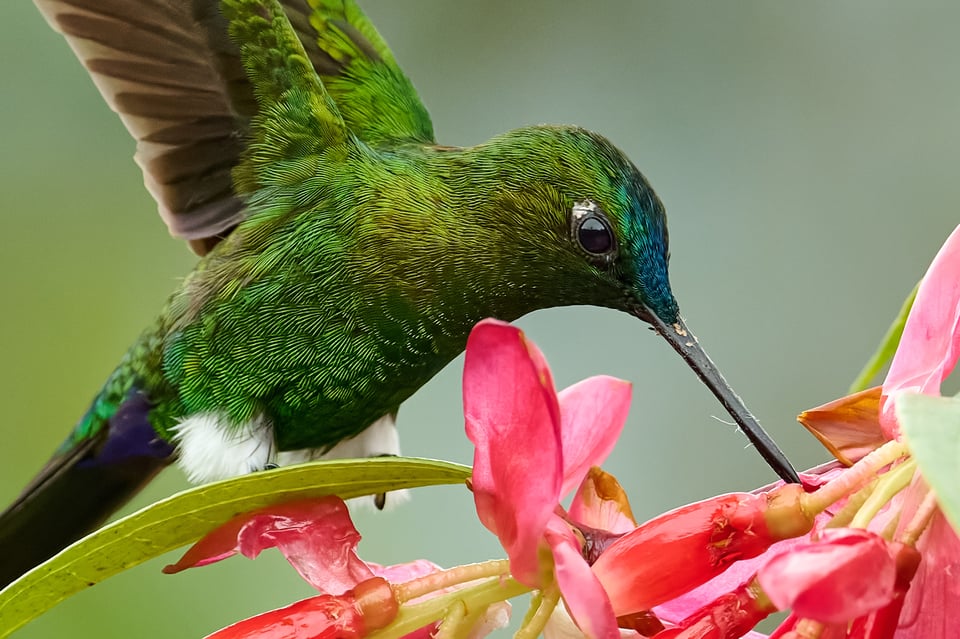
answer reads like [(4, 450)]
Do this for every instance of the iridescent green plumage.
[(330, 317), (346, 256)]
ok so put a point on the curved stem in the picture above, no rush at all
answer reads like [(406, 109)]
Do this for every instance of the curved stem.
[(846, 514), (453, 621), (921, 519), (415, 616), (855, 477), (536, 598), (534, 624), (888, 486), (446, 578)]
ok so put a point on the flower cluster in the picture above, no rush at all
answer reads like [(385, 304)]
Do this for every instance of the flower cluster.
[(850, 553)]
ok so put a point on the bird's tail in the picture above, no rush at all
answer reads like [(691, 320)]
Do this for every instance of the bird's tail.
[(93, 474)]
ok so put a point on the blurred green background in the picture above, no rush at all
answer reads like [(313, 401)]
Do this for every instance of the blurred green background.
[(806, 153)]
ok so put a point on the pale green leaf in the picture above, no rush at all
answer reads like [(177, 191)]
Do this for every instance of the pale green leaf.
[(187, 516), (931, 425), (887, 348)]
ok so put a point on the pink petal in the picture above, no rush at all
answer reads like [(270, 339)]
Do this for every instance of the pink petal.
[(217, 545), (930, 609), (585, 598), (319, 542), (601, 503), (316, 536), (561, 626), (679, 608), (320, 617), (353, 615), (592, 414), (686, 547), (689, 602), (930, 344), (399, 573), (729, 616), (513, 419), (847, 574)]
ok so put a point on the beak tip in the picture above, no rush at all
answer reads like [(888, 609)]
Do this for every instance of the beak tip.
[(685, 343)]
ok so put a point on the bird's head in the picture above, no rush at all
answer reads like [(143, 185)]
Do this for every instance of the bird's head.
[(574, 203), (600, 232)]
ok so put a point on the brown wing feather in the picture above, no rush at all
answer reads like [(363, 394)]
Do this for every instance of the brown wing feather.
[(168, 68), (172, 73)]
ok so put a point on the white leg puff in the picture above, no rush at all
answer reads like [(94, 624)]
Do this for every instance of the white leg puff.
[(210, 448)]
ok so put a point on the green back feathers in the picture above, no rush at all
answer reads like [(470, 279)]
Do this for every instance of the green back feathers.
[(297, 117), (366, 252), (315, 93), (377, 100), (174, 75)]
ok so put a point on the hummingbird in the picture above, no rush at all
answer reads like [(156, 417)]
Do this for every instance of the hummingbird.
[(344, 255)]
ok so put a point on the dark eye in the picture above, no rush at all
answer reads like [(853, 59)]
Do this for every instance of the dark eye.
[(594, 236), (591, 230)]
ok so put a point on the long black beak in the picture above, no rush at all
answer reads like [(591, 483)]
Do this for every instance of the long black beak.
[(684, 342)]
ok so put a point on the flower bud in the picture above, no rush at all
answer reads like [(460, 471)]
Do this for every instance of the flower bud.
[(681, 549)]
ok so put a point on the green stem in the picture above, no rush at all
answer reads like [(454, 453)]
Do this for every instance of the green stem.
[(534, 625), (888, 346), (854, 478), (446, 578), (888, 486), (891, 527), (535, 600), (921, 519), (469, 626), (415, 616), (453, 621), (846, 514)]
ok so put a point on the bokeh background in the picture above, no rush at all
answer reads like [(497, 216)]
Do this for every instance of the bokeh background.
[(806, 153)]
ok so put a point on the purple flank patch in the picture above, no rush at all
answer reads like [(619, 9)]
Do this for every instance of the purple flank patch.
[(130, 434)]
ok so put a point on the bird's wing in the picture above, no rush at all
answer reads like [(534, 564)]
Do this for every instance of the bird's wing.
[(376, 99), (175, 77)]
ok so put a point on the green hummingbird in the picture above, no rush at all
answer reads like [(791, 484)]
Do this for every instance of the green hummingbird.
[(345, 255)]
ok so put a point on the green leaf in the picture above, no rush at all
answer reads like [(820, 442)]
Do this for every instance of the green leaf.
[(931, 425), (887, 348), (187, 516)]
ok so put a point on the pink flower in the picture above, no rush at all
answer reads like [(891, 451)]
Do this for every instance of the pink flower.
[(602, 511), (731, 615), (601, 504), (930, 344), (675, 552), (533, 446), (927, 354), (845, 574), (319, 540), (316, 536), (352, 615), (855, 584)]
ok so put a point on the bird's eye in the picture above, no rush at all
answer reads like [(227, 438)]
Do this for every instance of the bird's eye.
[(594, 236), (591, 230)]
